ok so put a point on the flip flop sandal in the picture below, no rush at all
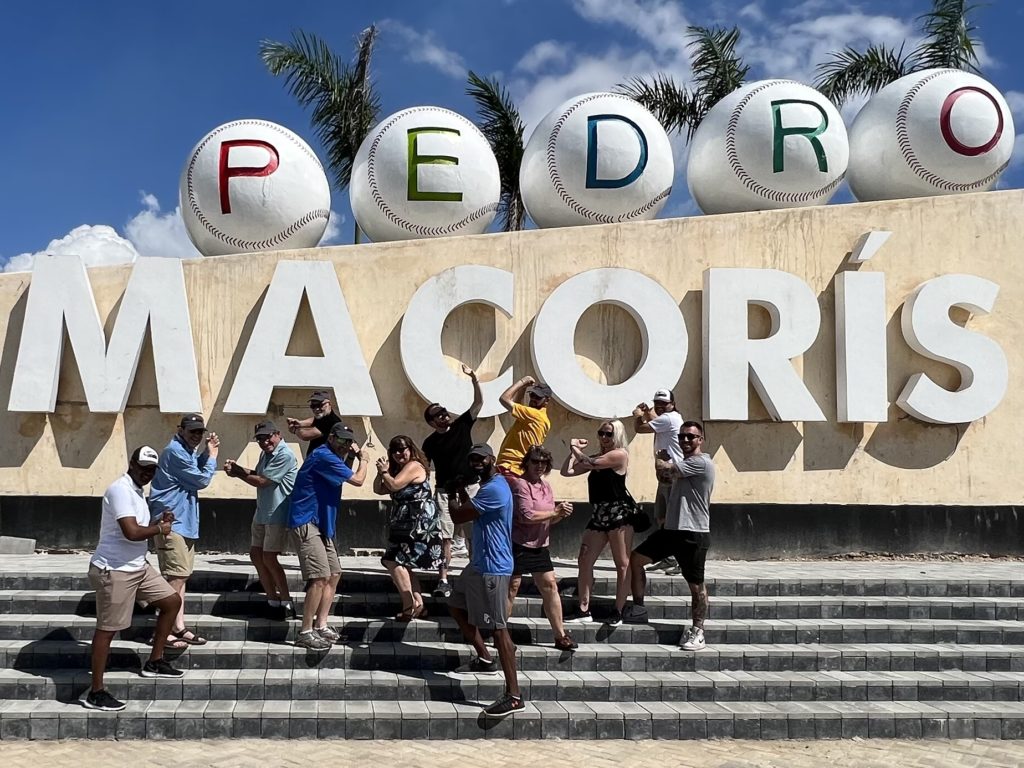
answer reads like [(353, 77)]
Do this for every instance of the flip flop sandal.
[(194, 640), (176, 644)]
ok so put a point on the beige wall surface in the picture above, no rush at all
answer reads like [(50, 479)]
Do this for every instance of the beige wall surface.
[(73, 452)]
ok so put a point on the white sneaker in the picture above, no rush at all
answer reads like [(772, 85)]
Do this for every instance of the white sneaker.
[(674, 570), (663, 565), (693, 639), (459, 548)]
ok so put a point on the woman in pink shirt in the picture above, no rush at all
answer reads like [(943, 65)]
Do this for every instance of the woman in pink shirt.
[(534, 513)]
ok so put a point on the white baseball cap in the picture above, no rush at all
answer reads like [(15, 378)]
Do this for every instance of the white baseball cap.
[(147, 457), (663, 396)]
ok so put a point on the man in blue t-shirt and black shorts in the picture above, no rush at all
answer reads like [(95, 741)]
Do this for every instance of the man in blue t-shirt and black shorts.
[(479, 597)]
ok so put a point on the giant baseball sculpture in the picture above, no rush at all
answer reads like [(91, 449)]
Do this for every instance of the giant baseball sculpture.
[(424, 172), (770, 144), (253, 185), (599, 158), (935, 132)]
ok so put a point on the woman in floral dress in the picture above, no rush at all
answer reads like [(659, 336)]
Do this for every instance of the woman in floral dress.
[(414, 528)]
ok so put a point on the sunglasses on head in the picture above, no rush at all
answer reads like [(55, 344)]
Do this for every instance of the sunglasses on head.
[(605, 433)]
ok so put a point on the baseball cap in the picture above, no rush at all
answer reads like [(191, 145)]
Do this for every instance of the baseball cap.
[(540, 390), (481, 449), (192, 421), (663, 396), (319, 396), (342, 432), (146, 457), (265, 428)]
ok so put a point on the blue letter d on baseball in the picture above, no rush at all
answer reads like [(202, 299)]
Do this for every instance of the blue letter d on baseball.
[(593, 182)]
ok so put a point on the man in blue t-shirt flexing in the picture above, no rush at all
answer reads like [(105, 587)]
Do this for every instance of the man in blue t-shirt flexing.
[(479, 598)]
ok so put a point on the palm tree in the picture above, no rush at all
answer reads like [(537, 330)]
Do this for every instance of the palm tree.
[(947, 43), (503, 128), (343, 98), (717, 71)]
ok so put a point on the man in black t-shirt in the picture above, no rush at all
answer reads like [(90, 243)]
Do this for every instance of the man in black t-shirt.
[(317, 427), (447, 448)]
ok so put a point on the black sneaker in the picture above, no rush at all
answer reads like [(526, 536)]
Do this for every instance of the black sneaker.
[(506, 705), (579, 616), (566, 643), (476, 664), (160, 668), (443, 589), (103, 701), (634, 614), (614, 618), (288, 612)]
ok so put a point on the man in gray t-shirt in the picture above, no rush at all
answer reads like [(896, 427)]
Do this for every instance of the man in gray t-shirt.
[(686, 534)]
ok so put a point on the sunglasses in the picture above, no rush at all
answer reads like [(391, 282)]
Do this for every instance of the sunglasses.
[(689, 437), (263, 438), (317, 405), (196, 431), (605, 433), (401, 449), (438, 414), (543, 462)]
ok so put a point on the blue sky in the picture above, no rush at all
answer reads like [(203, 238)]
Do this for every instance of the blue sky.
[(105, 100)]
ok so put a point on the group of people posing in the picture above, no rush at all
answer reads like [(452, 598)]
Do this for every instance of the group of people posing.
[(500, 502)]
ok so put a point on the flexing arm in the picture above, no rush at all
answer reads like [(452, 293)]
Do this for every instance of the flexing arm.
[(512, 394), (642, 416), (134, 532), (478, 394), (413, 472), (186, 472), (576, 463)]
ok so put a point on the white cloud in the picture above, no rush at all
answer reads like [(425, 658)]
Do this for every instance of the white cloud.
[(542, 54), (334, 231), (423, 48), (1015, 100), (155, 233), (97, 245), (659, 23)]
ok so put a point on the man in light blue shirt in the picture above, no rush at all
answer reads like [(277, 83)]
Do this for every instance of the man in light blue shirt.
[(273, 479), (187, 466)]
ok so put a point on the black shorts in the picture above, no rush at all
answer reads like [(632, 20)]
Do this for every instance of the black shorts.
[(689, 548), (531, 559)]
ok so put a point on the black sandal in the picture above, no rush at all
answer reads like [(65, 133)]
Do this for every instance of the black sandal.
[(194, 640)]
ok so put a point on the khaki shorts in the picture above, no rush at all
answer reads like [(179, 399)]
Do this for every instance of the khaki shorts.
[(318, 558), (269, 538), (118, 591), (176, 555), (444, 511)]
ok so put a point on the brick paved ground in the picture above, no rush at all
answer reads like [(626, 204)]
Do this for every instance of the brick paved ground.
[(560, 754)]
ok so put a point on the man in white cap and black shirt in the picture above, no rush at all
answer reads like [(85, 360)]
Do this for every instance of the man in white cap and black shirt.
[(119, 573), (317, 427), (664, 422), (273, 479), (186, 467)]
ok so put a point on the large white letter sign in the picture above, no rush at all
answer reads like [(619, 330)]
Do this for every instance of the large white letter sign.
[(60, 295), (424, 321), (266, 363), (729, 354), (928, 329), (662, 330), (861, 354)]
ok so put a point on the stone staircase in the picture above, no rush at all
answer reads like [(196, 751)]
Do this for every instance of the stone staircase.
[(795, 650)]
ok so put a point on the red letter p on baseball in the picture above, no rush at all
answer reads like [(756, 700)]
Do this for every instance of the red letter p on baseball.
[(227, 172)]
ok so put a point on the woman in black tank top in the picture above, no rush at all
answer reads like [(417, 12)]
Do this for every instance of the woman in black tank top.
[(612, 505)]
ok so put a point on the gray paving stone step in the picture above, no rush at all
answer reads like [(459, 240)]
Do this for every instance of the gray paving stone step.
[(625, 657), (237, 575), (541, 719), (531, 630), (83, 603), (440, 685)]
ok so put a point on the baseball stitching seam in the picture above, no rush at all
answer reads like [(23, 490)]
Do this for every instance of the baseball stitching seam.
[(249, 245), (746, 179), (378, 197), (903, 138), (572, 203)]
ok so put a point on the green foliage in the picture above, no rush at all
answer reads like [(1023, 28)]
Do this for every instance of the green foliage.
[(501, 124), (948, 43)]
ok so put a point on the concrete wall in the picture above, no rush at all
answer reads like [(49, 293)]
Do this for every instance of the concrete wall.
[(75, 453)]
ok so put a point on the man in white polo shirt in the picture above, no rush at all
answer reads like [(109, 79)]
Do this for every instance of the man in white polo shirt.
[(119, 573), (664, 421)]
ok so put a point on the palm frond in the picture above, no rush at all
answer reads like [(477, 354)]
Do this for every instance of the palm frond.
[(673, 105), (503, 128), (948, 37), (717, 69), (342, 97), (849, 72)]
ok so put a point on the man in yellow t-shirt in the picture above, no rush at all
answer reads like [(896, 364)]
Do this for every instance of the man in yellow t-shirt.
[(531, 424)]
